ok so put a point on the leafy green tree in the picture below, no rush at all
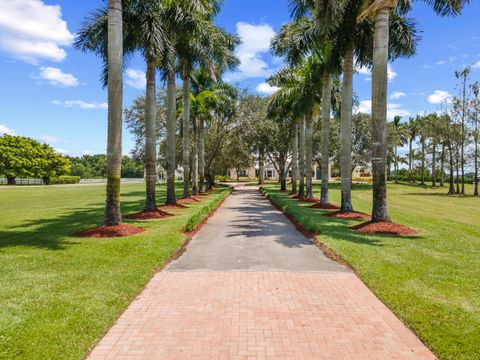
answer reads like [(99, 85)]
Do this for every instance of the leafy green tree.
[(24, 157)]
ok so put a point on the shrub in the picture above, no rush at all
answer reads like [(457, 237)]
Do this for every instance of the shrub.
[(198, 217), (65, 180)]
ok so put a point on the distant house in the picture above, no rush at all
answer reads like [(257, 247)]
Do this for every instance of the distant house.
[(270, 172)]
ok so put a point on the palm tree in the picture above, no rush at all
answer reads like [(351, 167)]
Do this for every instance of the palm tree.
[(212, 49), (380, 10), (104, 35), (397, 136)]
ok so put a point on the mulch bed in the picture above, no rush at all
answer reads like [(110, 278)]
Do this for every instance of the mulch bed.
[(308, 200), (150, 215), (188, 200), (348, 215), (325, 207), (172, 207), (388, 228), (110, 231)]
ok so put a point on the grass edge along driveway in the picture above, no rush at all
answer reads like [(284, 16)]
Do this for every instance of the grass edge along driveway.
[(58, 294), (430, 281)]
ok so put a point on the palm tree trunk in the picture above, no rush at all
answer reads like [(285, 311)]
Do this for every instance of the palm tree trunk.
[(458, 172), (301, 158), (434, 165), (186, 135), (325, 145), (395, 165), (475, 191), (113, 214), (201, 156), (150, 137), (442, 166), (171, 134), (294, 158), (410, 156), (379, 115), (451, 189), (422, 182), (346, 132), (261, 164), (195, 158), (308, 153)]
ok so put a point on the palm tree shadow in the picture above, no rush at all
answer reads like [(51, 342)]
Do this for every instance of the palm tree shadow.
[(55, 233)]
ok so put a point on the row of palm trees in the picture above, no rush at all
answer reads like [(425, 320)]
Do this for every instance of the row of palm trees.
[(174, 37), (324, 40)]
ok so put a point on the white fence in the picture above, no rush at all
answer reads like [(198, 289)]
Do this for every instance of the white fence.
[(4, 181)]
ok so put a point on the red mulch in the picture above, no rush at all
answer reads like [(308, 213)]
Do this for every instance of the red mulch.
[(325, 207), (150, 215), (188, 200), (348, 215), (308, 200), (388, 228), (172, 207), (110, 231)]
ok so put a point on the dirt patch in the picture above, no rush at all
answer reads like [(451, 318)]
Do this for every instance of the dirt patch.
[(150, 215), (355, 215), (191, 199), (172, 207), (325, 207), (110, 231), (388, 228)]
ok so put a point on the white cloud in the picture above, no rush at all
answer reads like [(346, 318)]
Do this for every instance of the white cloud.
[(393, 109), (6, 131), (136, 79), (31, 30), (476, 65), (81, 104), (266, 89), (439, 96), (49, 139), (397, 95), (255, 42), (365, 107), (57, 77), (62, 151), (392, 74), (396, 110), (88, 152)]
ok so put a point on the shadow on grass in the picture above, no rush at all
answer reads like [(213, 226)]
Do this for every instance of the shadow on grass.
[(54, 233), (313, 221)]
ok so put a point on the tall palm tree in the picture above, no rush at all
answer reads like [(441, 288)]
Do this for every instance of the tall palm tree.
[(380, 10), (211, 48), (355, 42), (105, 34), (113, 214), (397, 136)]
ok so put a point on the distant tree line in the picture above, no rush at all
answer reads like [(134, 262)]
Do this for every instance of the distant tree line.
[(95, 167)]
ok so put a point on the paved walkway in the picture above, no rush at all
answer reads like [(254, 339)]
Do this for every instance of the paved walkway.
[(250, 286)]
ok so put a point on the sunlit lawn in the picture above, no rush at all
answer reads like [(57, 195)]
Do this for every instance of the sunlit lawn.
[(432, 281), (59, 294)]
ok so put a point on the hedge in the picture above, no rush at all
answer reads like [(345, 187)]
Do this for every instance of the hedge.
[(197, 218), (65, 180)]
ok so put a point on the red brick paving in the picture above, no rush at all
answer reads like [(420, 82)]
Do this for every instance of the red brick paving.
[(258, 315)]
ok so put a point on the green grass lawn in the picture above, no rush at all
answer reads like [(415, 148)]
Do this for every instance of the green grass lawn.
[(58, 294), (431, 281)]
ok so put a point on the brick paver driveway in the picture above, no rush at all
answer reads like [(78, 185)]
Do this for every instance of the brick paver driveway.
[(250, 286)]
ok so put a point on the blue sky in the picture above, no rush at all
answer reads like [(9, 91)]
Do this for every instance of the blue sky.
[(51, 91)]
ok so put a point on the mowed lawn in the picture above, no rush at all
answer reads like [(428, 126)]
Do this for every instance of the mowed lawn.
[(431, 281), (58, 294)]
